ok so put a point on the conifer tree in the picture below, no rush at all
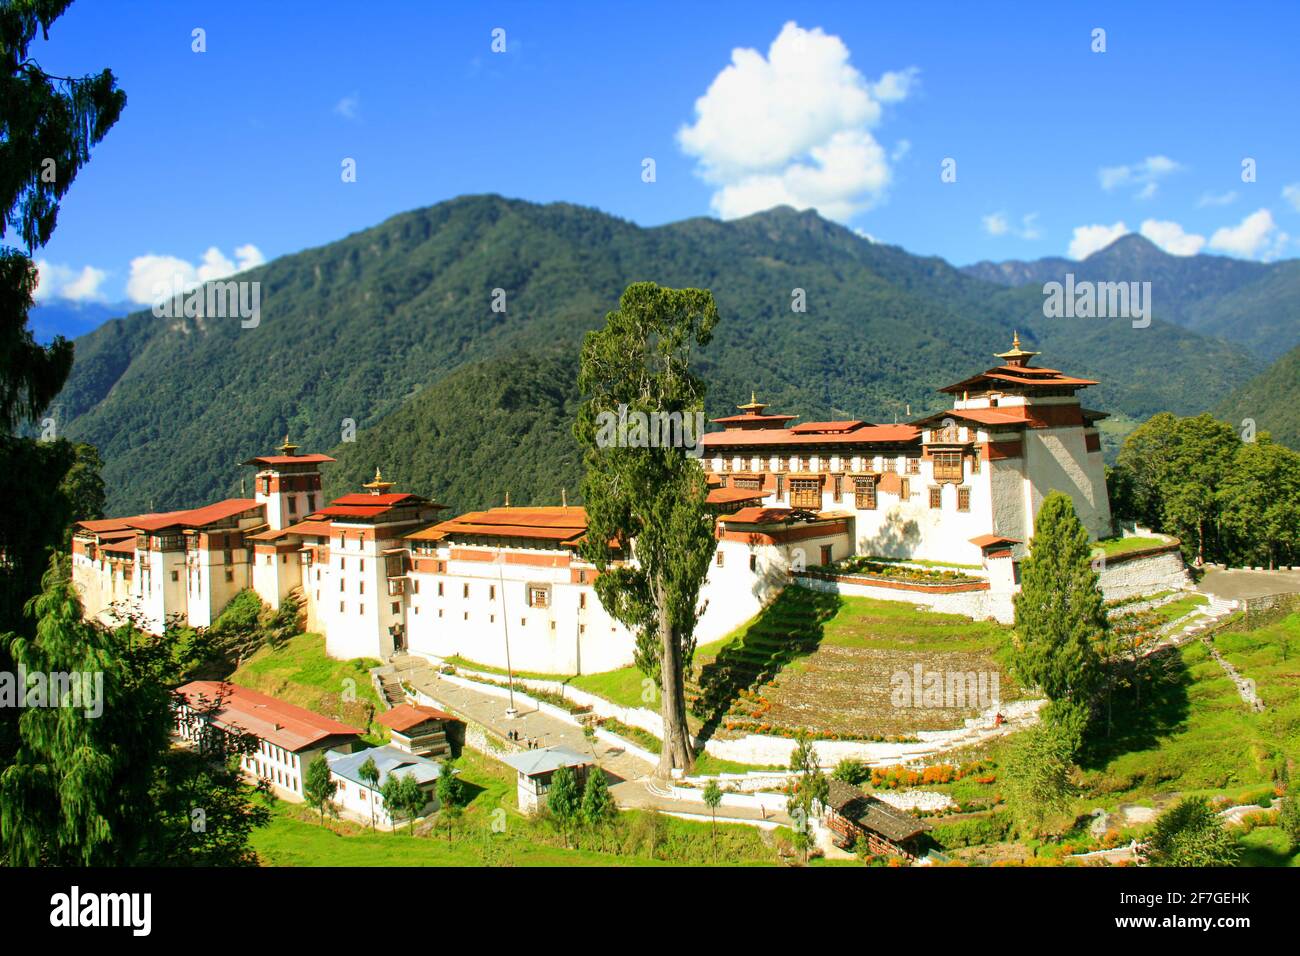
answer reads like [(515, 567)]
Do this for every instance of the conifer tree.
[(318, 787), (369, 772), (1190, 835), (1060, 616), (563, 800), (649, 497), (597, 805), (712, 798), (449, 786)]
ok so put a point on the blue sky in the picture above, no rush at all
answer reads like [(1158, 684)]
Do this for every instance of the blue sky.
[(233, 155)]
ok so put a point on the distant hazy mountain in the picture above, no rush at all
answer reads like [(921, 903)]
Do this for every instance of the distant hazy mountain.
[(392, 328), (72, 319), (1271, 400), (1253, 304)]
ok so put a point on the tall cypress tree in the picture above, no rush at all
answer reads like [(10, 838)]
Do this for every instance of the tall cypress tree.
[(1060, 614), (649, 497)]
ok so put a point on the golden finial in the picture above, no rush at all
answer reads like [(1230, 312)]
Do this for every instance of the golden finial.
[(564, 497), (288, 447), (507, 499), (377, 485)]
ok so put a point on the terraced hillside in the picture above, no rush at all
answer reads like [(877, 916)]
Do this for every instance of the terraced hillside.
[(832, 665)]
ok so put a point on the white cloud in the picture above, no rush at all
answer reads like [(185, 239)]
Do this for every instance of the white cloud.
[(794, 127), (1145, 174), (63, 282), (1291, 194), (1171, 237), (997, 224), (150, 272), (1218, 199), (349, 106), (1255, 237), (1090, 239)]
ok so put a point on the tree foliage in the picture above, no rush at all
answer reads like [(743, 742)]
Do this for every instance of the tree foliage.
[(1037, 774), (1190, 834), (1060, 616), (597, 805), (649, 502), (319, 787)]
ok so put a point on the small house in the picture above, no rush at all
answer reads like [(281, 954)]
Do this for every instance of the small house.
[(418, 729), (851, 814), (535, 768), (362, 800)]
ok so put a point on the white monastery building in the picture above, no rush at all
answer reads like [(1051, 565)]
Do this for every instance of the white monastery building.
[(378, 573)]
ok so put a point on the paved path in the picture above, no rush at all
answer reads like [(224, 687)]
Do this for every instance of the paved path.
[(1236, 584), (634, 789)]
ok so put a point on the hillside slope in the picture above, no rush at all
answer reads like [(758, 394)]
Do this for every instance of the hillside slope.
[(1271, 399), (352, 330)]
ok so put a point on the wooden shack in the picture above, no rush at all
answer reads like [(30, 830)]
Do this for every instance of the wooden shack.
[(851, 814)]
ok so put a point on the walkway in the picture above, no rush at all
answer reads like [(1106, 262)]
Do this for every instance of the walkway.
[(1237, 584), (634, 789)]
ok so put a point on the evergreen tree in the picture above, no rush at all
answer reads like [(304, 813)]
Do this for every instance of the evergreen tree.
[(646, 498), (449, 787), (597, 805), (1060, 616), (563, 800), (1037, 774), (318, 787), (811, 789), (77, 790), (712, 798), (1190, 835), (402, 795), (370, 774)]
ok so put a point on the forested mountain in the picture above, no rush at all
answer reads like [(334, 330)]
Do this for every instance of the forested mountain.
[(1271, 400), (1252, 304), (357, 329)]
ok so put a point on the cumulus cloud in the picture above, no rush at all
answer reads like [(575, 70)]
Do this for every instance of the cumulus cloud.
[(1090, 239), (1291, 194), (150, 273), (1255, 237), (794, 127), (64, 282), (1145, 175), (997, 224), (1172, 238)]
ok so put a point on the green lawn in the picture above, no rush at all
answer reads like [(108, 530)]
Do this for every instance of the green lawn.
[(1114, 546), (301, 673), (295, 837), (1268, 846)]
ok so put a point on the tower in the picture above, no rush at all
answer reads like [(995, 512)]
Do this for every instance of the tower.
[(287, 484)]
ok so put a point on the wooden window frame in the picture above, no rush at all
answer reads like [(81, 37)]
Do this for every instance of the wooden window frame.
[(865, 493)]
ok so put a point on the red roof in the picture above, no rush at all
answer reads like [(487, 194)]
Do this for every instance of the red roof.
[(405, 716), (276, 721), (989, 540), (726, 496), (195, 517), (865, 435), (554, 524), (827, 426), (289, 460), (982, 416), (1023, 375), (120, 547), (757, 515), (362, 498), (764, 419)]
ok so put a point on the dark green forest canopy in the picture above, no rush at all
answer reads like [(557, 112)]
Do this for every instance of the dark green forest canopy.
[(371, 329)]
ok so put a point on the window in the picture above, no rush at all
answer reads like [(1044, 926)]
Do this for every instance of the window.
[(963, 499), (753, 562), (905, 491), (947, 466), (780, 485), (936, 497), (826, 554), (805, 493), (539, 596), (230, 575), (439, 589), (749, 484), (361, 587), (839, 487), (363, 564), (268, 559), (340, 607), (464, 590), (361, 610), (864, 493), (913, 466), (492, 592), (975, 460), (395, 607), (582, 601), (176, 575), (415, 585), (311, 502), (293, 504), (341, 583), (717, 559)]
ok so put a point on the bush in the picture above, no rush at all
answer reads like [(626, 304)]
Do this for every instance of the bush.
[(974, 831), (853, 772)]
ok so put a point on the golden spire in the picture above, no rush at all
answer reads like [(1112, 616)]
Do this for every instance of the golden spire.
[(1016, 355), (754, 406), (288, 447), (377, 486), (507, 499)]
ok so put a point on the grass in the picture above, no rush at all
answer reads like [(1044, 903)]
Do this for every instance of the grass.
[(1180, 607), (301, 673), (295, 836), (926, 563), (1268, 846), (1114, 546)]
